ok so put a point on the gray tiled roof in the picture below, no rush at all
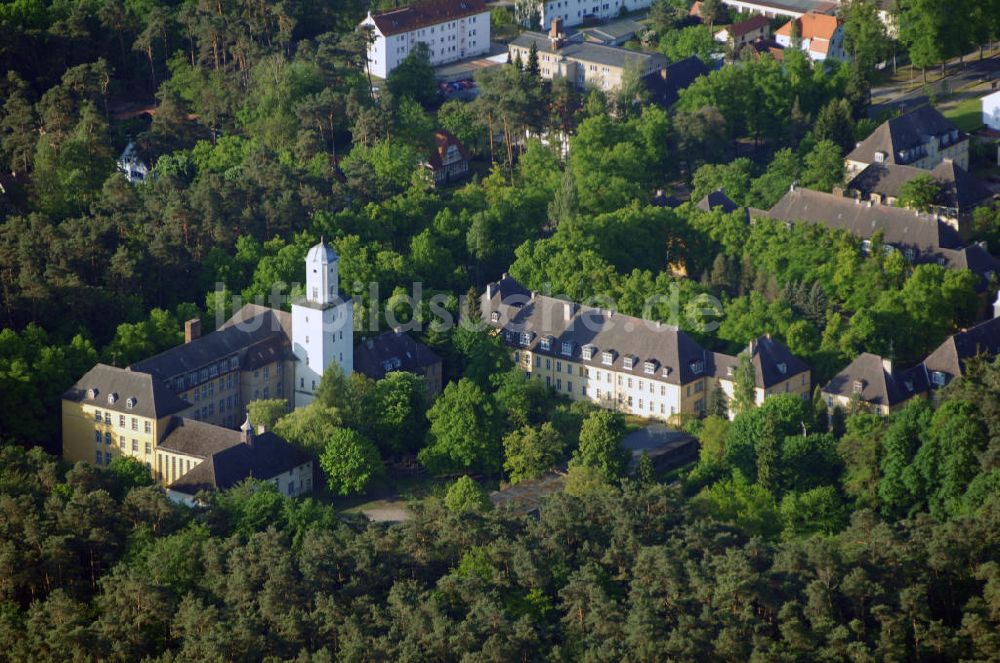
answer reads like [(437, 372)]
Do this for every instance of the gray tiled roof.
[(879, 387), (371, 354), (673, 351), (902, 228), (950, 357), (665, 345), (610, 56), (267, 457), (666, 85), (197, 438), (959, 189), (932, 240), (152, 399), (249, 326), (717, 199), (906, 132)]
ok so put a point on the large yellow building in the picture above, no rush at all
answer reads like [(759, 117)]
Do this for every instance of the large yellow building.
[(638, 366), (113, 412), (116, 412)]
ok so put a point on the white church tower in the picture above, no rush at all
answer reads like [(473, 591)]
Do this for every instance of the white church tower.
[(322, 325)]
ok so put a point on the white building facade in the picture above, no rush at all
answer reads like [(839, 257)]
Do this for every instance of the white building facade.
[(452, 30), (991, 110), (575, 12), (322, 325)]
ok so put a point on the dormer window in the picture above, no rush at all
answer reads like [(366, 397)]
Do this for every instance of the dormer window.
[(588, 351), (628, 362), (546, 343), (859, 386), (495, 316), (782, 368), (880, 157), (607, 358), (567, 348), (698, 367), (937, 377), (666, 371), (92, 393), (908, 385), (525, 338), (866, 246), (130, 403), (391, 364), (112, 397), (730, 371), (649, 367)]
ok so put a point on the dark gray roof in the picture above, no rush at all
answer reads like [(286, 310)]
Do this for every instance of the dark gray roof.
[(901, 228), (673, 352), (950, 357), (717, 199), (372, 355), (959, 189), (768, 357), (267, 457), (197, 438), (152, 398), (879, 386), (249, 326), (901, 138), (931, 240), (666, 84), (611, 56)]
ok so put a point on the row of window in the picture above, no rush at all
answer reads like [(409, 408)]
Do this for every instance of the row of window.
[(122, 442), (105, 417), (205, 374)]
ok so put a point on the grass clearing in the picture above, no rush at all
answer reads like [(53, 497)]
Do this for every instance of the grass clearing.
[(967, 115)]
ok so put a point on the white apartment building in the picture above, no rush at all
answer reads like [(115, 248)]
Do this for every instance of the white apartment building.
[(451, 29), (575, 12)]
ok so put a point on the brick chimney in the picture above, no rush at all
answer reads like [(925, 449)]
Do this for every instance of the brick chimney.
[(192, 330), (556, 35)]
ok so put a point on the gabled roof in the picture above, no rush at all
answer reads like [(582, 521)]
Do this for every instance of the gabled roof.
[(267, 457), (900, 227), (443, 139), (931, 240), (812, 26), (879, 386), (666, 84), (717, 199), (752, 24), (675, 354), (901, 138), (611, 56), (249, 326), (950, 357), (197, 438), (423, 14), (768, 357), (959, 189), (372, 355), (151, 397)]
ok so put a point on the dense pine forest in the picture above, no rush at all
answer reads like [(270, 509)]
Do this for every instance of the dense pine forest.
[(794, 537)]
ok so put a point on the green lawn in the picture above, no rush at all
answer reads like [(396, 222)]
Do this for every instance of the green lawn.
[(967, 115)]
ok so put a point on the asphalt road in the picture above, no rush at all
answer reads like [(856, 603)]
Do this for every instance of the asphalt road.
[(974, 71)]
